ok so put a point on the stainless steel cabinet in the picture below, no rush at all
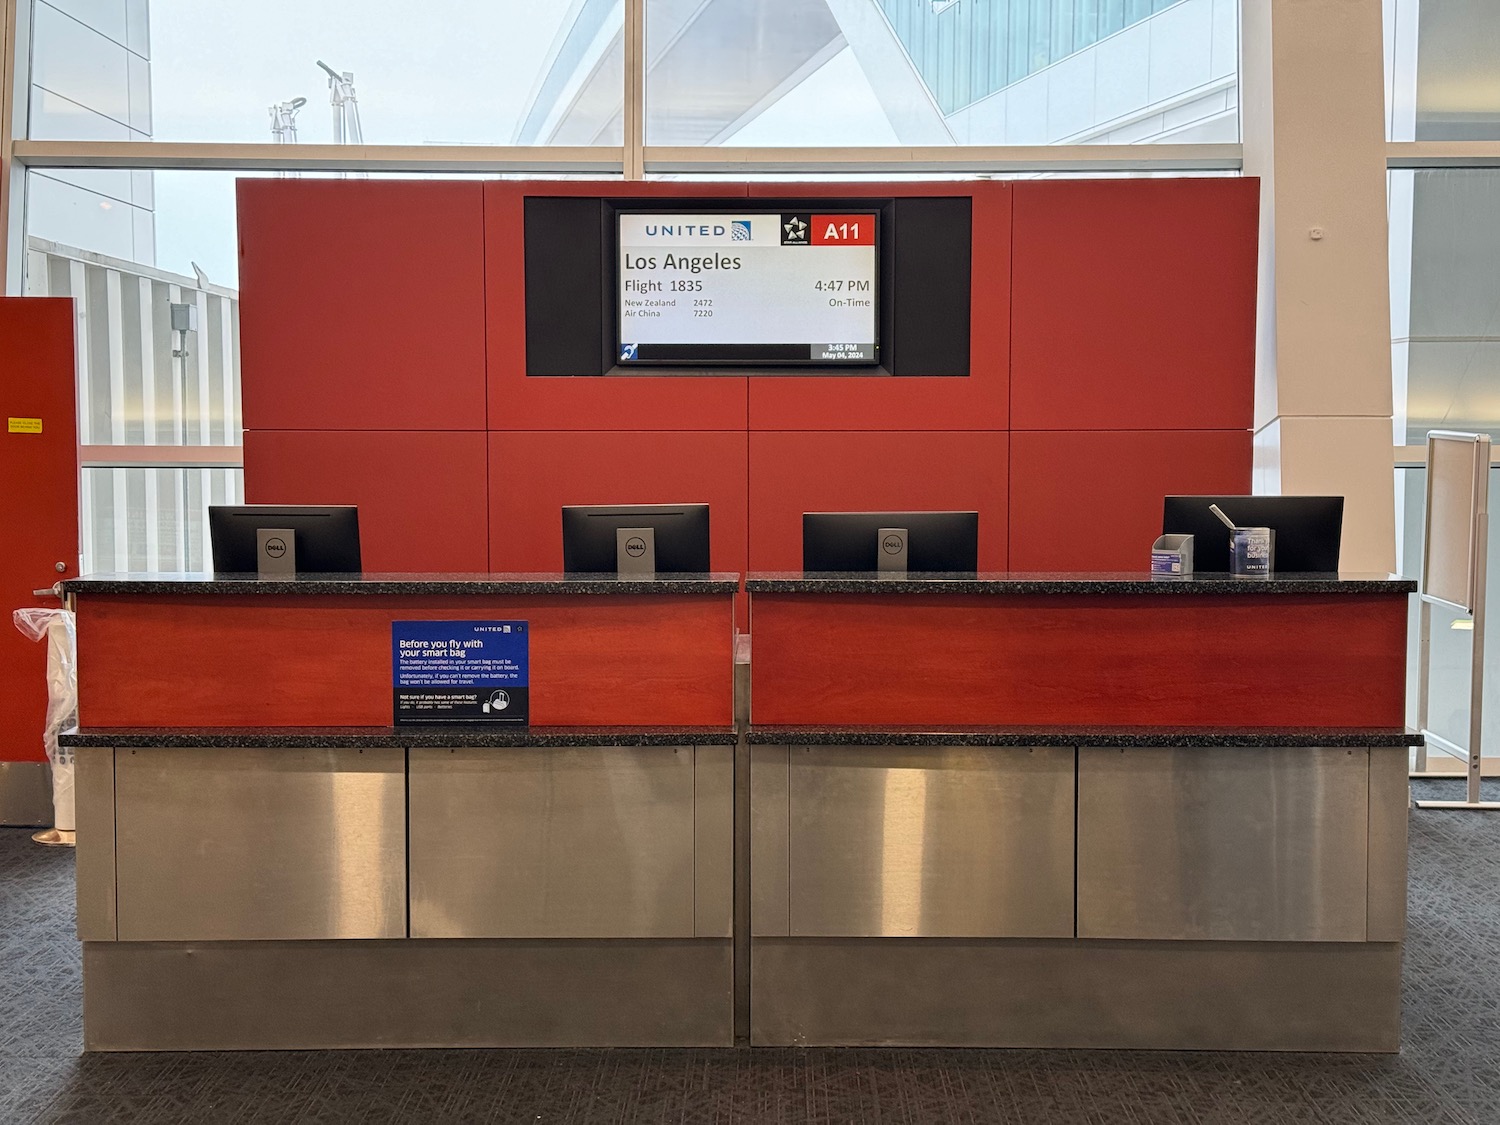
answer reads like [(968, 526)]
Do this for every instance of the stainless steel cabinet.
[(593, 841), (888, 841), (1225, 843), (235, 844)]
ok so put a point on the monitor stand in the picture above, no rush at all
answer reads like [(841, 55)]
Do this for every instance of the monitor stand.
[(635, 551), (275, 552), (890, 550)]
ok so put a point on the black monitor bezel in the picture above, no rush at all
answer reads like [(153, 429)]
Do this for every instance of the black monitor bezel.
[(834, 532), (687, 542), (334, 550), (1304, 525)]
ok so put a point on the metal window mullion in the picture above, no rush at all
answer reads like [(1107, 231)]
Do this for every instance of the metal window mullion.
[(15, 96), (950, 159), (197, 155), (1442, 154), (634, 114)]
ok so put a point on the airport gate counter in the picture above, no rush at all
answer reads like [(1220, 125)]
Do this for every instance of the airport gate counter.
[(265, 861), (1079, 810), (1075, 810)]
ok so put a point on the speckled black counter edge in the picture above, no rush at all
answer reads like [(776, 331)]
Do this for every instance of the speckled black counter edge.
[(1084, 736), (526, 585), (1079, 584), (439, 736)]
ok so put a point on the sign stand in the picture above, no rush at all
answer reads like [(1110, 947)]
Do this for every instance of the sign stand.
[(1453, 575)]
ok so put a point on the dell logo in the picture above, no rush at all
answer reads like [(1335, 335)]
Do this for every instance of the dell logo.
[(891, 544), (276, 547), (635, 546)]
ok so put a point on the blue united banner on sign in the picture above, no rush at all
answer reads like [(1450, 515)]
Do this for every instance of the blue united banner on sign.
[(460, 671)]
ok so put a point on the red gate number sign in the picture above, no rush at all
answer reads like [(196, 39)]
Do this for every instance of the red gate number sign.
[(843, 230)]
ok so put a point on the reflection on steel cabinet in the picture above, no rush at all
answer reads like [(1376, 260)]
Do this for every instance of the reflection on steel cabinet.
[(216, 844)]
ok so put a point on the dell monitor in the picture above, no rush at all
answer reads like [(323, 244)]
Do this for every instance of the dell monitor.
[(890, 541), (635, 539), (284, 539), (1308, 528)]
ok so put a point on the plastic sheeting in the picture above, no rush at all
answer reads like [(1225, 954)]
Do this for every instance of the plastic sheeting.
[(55, 626)]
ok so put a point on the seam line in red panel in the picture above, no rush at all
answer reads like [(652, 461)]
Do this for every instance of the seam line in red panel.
[(1010, 377)]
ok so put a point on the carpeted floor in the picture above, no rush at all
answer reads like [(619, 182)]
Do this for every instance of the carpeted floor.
[(1448, 1069)]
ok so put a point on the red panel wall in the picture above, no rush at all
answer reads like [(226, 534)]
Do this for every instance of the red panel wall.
[(362, 304), (533, 475), (38, 501), (421, 495), (1092, 501), (1133, 304), (792, 473), (1111, 362)]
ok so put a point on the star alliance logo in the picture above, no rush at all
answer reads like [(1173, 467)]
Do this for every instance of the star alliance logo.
[(794, 230)]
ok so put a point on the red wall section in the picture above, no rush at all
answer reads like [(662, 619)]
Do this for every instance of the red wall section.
[(1092, 501), (1133, 304), (590, 403), (362, 304), (792, 473), (532, 475), (38, 501), (1112, 362), (421, 496), (979, 401)]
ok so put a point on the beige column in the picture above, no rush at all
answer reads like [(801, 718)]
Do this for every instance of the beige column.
[(1312, 81)]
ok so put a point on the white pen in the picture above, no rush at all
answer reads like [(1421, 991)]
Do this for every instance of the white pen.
[(1229, 523)]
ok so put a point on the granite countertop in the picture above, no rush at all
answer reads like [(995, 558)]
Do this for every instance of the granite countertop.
[(470, 584), (421, 735), (1084, 736), (797, 582)]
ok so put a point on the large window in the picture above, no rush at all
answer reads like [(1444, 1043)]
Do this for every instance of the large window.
[(1446, 296), (207, 93), (443, 72), (1443, 80), (927, 72)]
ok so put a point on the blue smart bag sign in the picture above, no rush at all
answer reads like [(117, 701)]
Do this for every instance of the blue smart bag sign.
[(460, 671)]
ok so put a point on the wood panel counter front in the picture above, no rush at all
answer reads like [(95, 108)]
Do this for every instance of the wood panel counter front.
[(315, 651), (1108, 650)]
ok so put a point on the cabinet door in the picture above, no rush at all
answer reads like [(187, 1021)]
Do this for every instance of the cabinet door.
[(268, 844), (1224, 843)]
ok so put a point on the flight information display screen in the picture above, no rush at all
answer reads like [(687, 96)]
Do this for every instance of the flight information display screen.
[(748, 288)]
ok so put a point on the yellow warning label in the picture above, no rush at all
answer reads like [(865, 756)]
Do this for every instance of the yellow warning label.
[(25, 425)]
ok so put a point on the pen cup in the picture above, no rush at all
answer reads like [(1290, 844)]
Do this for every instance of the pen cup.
[(1252, 550)]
